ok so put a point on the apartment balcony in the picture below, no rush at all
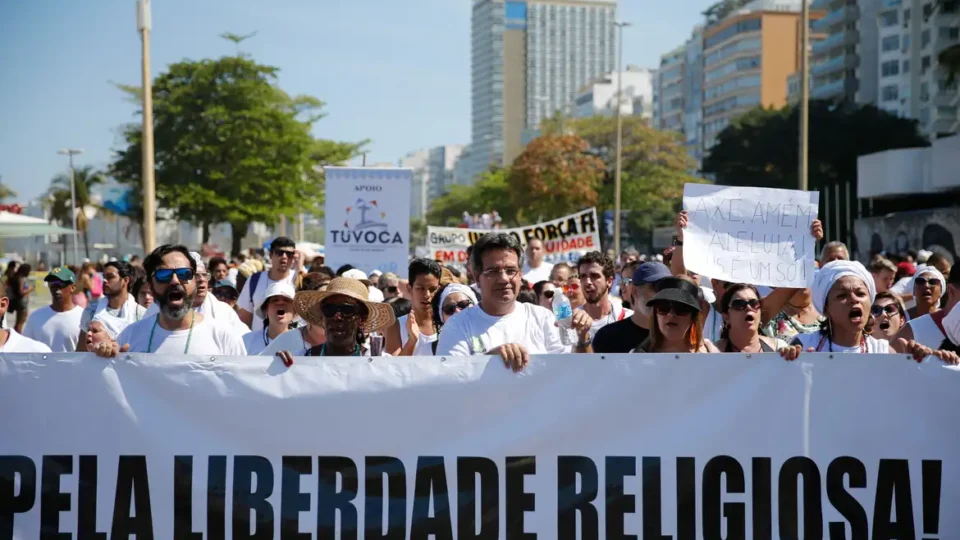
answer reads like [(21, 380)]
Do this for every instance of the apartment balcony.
[(837, 63), (828, 91), (947, 98), (833, 41), (829, 20)]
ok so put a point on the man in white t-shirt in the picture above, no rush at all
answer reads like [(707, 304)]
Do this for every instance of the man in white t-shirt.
[(536, 269), (500, 325), (596, 278), (10, 340), (284, 266), (57, 325), (176, 328), (117, 308)]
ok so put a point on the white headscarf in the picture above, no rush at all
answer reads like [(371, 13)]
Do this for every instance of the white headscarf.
[(921, 270), (457, 288), (831, 273)]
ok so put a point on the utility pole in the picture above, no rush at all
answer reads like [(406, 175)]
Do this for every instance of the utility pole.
[(70, 152), (149, 188), (619, 172), (804, 93)]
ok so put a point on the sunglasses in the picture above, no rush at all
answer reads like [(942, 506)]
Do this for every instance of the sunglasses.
[(571, 287), (165, 275), (682, 310), (346, 311), (392, 289), (930, 282), (284, 253), (548, 294), (889, 309), (741, 305), (450, 309), (57, 285)]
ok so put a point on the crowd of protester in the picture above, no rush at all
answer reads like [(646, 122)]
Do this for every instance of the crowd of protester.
[(501, 304)]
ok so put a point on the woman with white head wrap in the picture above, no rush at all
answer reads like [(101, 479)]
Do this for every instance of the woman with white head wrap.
[(450, 300), (929, 286)]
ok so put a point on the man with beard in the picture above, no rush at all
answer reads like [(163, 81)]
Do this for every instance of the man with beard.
[(117, 308), (500, 325), (176, 328), (57, 325), (596, 279), (626, 335), (284, 266)]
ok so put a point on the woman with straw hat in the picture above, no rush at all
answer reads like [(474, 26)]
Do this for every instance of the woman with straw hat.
[(347, 316)]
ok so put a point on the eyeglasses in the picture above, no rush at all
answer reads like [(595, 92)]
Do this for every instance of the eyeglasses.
[(930, 282), (165, 275), (203, 275), (741, 305), (450, 309), (493, 273), (682, 310), (57, 285), (625, 281), (284, 253), (889, 309), (346, 311), (392, 289)]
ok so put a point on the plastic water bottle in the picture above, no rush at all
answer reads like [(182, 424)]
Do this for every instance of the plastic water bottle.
[(563, 311)]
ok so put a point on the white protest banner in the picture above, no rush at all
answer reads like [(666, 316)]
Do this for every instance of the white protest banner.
[(368, 218), (656, 446), (750, 235), (564, 239)]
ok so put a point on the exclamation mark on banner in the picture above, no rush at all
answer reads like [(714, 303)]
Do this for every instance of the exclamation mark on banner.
[(932, 472)]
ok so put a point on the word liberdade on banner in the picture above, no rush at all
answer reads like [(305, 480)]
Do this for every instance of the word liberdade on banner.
[(863, 446), (564, 239), (366, 226), (750, 235)]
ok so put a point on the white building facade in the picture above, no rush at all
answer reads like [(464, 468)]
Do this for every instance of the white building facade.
[(600, 97), (434, 171)]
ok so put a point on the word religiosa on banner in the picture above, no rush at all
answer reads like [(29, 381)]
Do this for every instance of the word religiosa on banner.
[(738, 447)]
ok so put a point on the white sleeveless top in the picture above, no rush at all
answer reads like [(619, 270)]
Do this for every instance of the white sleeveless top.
[(424, 347), (926, 332)]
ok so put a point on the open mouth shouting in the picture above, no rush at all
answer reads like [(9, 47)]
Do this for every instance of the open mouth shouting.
[(750, 318), (856, 315), (884, 325)]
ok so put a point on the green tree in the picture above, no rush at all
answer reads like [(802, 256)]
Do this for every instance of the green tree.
[(722, 9), (5, 191), (231, 146), (59, 200)]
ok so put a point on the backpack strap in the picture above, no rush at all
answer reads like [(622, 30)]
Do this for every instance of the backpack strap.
[(254, 280)]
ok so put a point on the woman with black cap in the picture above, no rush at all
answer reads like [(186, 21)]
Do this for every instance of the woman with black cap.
[(677, 320)]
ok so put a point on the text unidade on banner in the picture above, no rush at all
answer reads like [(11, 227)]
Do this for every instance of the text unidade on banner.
[(366, 226), (363, 448), (564, 239), (750, 235)]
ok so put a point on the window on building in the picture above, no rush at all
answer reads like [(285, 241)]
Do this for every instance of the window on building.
[(950, 112), (924, 64), (927, 11), (890, 43), (888, 18), (889, 93), (890, 68), (924, 115), (924, 91), (906, 66), (925, 39)]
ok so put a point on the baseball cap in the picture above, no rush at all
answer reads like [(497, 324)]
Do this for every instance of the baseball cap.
[(651, 272), (359, 275), (61, 273), (225, 283)]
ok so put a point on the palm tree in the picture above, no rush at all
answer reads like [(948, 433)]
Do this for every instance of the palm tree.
[(59, 200), (5, 191)]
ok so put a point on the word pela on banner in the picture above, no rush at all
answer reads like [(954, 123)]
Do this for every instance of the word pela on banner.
[(590, 504)]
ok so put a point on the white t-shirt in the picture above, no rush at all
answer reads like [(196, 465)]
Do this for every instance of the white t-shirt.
[(208, 336), (807, 341), (130, 312), (288, 341), (424, 345), (538, 274), (617, 313), (259, 294), (59, 331), (212, 309), (257, 340), (17, 343), (472, 331)]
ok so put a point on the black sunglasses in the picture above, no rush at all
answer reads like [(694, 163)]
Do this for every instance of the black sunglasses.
[(741, 305), (930, 282), (889, 309), (664, 308), (450, 309), (284, 253), (346, 311), (548, 294), (392, 289), (165, 275)]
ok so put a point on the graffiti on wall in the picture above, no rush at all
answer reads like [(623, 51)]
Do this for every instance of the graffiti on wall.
[(935, 230)]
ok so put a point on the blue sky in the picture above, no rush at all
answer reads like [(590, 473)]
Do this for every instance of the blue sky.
[(393, 71)]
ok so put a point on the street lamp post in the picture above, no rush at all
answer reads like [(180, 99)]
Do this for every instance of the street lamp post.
[(149, 192), (70, 152), (543, 101), (618, 173), (804, 94)]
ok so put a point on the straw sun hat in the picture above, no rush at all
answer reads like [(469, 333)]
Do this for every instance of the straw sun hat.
[(379, 316)]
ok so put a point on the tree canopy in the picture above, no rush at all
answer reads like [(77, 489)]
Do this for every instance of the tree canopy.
[(231, 146), (60, 199)]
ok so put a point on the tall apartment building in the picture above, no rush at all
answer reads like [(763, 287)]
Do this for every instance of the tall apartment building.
[(671, 89), (433, 174), (835, 61), (600, 96), (911, 35), (530, 58), (747, 59), (693, 96)]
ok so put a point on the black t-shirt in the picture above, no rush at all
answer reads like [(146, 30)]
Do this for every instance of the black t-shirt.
[(619, 337)]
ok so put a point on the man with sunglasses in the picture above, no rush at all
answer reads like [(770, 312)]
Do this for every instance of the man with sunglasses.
[(57, 325), (177, 328), (284, 266)]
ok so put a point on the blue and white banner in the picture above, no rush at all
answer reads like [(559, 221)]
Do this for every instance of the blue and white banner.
[(368, 218), (589, 446)]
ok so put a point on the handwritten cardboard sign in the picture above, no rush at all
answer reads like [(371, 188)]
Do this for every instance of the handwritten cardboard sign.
[(750, 235)]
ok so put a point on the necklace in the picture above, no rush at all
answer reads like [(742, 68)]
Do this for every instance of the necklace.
[(153, 329), (266, 341)]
